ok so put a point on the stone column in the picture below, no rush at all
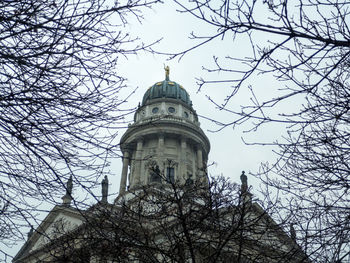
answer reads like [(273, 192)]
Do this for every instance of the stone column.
[(183, 166), (138, 162), (199, 162), (160, 154), (123, 180)]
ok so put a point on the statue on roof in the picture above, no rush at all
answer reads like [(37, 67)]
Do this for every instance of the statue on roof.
[(167, 71), (189, 180), (246, 195), (69, 186), (67, 198), (244, 180), (104, 184)]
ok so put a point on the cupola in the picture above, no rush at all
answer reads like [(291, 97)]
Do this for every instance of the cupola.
[(166, 89), (165, 144)]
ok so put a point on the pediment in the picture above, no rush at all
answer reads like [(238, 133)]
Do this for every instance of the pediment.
[(58, 222)]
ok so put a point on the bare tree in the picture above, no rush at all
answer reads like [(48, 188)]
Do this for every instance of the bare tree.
[(305, 46), (59, 101), (172, 222)]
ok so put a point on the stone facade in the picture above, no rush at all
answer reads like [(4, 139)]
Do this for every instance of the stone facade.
[(165, 135), (165, 210)]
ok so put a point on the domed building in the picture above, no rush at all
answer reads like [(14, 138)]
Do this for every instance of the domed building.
[(167, 210), (165, 143)]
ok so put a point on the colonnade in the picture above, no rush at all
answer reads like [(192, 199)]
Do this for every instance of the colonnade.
[(136, 154)]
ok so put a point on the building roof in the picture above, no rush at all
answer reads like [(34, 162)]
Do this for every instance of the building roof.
[(166, 89)]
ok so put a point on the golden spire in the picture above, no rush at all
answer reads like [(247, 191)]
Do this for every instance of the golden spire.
[(167, 70)]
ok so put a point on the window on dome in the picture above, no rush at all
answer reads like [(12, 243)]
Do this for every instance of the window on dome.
[(171, 110), (155, 110), (186, 114)]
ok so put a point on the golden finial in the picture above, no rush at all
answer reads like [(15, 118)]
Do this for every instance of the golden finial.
[(167, 70)]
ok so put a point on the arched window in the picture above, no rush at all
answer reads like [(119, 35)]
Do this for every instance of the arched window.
[(155, 176), (170, 174)]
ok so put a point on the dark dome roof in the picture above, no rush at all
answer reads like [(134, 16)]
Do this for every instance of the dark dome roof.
[(166, 89)]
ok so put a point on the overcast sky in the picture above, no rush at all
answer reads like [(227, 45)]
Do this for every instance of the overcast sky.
[(230, 155), (228, 151)]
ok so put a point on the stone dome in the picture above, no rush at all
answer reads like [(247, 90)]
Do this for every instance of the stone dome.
[(166, 89)]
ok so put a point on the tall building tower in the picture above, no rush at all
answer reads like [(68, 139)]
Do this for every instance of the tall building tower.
[(165, 143)]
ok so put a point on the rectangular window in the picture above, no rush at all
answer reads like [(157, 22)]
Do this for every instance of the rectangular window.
[(170, 174), (155, 174), (155, 177)]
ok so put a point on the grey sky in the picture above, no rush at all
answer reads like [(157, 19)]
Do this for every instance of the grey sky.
[(228, 151)]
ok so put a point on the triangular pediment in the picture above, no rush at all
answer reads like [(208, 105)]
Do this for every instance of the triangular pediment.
[(58, 222)]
